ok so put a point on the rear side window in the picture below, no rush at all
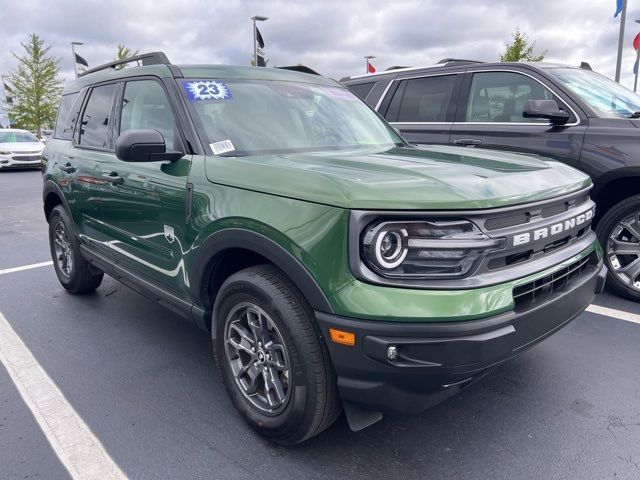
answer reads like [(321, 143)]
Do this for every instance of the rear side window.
[(422, 100), (67, 115), (96, 119), (361, 90)]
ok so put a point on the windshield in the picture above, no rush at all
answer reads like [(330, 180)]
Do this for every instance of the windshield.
[(13, 137), (608, 98), (253, 117)]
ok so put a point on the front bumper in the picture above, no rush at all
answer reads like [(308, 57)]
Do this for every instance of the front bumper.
[(435, 360)]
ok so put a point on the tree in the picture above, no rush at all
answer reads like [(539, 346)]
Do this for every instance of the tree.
[(521, 49), (124, 52), (36, 86)]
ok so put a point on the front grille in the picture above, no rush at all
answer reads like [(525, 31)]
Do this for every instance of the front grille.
[(526, 294), (26, 158), (506, 221)]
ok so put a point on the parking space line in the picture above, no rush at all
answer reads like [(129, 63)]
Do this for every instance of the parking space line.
[(26, 267), (72, 440), (610, 312)]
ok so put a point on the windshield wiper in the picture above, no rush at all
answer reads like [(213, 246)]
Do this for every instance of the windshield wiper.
[(634, 115)]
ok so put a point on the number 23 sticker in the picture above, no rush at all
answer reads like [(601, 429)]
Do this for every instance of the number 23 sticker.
[(206, 90)]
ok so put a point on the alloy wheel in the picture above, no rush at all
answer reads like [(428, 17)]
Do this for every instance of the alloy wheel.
[(258, 357), (623, 251), (62, 248)]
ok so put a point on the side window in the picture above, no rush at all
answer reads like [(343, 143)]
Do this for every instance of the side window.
[(422, 100), (361, 90), (64, 111), (96, 119), (501, 97), (145, 106)]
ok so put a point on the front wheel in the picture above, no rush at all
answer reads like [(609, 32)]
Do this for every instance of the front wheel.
[(74, 273), (619, 235), (273, 362)]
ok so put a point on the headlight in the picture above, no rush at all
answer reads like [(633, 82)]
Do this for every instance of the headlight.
[(425, 249)]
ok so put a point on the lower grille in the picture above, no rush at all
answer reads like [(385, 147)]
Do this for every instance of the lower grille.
[(26, 158), (525, 295)]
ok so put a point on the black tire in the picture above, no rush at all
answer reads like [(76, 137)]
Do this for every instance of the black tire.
[(78, 275), (606, 227), (313, 403)]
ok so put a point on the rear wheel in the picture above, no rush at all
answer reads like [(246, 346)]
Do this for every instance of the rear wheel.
[(274, 363), (74, 272), (619, 235)]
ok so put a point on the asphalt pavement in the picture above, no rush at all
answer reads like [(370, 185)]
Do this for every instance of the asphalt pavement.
[(144, 382)]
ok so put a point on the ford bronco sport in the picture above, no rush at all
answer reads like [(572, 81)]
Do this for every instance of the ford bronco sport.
[(336, 267)]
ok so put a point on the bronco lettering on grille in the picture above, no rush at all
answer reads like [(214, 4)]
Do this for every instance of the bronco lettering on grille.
[(551, 230)]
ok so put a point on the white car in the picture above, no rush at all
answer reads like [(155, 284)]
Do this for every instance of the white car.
[(19, 149)]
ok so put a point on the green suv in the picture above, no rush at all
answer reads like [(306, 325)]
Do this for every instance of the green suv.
[(336, 267)]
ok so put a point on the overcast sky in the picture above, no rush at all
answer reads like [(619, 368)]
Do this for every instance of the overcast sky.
[(329, 36)]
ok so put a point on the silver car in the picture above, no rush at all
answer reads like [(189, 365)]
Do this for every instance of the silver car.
[(19, 149)]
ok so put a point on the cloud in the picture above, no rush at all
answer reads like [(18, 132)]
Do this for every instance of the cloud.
[(329, 36)]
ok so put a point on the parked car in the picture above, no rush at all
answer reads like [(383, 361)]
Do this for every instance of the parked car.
[(19, 149), (335, 265), (571, 114)]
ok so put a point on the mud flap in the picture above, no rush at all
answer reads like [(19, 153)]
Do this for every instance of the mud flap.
[(359, 417)]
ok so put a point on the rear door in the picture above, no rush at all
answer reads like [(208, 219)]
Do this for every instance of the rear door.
[(489, 115), (422, 108), (143, 203), (78, 159)]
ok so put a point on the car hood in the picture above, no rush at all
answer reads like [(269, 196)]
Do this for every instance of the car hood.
[(21, 147), (433, 177)]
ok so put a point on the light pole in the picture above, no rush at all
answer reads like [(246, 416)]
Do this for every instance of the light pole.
[(73, 56), (257, 18), (621, 40), (4, 90), (367, 58)]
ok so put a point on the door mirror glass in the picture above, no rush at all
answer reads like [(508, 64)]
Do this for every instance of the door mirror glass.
[(144, 146), (545, 109)]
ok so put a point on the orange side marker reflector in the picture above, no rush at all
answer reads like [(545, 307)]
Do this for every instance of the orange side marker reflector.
[(342, 337)]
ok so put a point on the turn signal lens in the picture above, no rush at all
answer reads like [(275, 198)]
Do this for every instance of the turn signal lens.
[(342, 337)]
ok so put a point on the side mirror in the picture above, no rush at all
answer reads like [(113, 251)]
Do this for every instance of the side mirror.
[(545, 109), (144, 146)]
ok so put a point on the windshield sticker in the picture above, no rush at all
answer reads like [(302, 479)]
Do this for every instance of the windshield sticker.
[(222, 147), (341, 93), (206, 90)]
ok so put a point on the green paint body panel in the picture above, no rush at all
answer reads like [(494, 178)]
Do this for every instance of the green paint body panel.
[(300, 201)]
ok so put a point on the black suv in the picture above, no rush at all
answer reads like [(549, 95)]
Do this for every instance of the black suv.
[(571, 114)]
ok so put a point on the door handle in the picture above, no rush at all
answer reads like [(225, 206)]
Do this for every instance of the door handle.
[(467, 142), (68, 168), (113, 178)]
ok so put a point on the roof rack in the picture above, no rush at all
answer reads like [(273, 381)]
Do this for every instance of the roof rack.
[(152, 58), (300, 68), (457, 61)]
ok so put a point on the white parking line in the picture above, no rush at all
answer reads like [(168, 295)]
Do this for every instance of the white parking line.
[(72, 440), (610, 312), (26, 267)]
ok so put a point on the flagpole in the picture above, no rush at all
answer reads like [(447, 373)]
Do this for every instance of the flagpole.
[(621, 40), (73, 56), (635, 81), (255, 18), (367, 58)]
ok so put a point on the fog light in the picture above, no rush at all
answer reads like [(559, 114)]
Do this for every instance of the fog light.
[(392, 352)]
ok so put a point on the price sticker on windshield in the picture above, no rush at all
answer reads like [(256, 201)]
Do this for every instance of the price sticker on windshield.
[(198, 90), (341, 93)]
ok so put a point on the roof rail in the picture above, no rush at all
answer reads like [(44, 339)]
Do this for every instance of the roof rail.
[(395, 67), (152, 58), (457, 61), (300, 68)]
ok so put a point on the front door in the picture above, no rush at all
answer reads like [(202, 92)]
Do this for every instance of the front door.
[(489, 115), (143, 203)]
